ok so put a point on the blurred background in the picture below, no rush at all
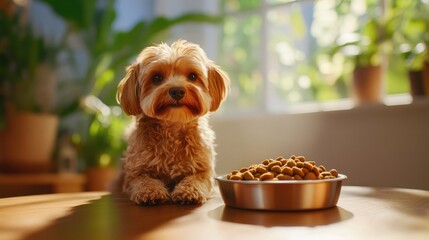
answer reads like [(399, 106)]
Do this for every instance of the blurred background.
[(343, 82)]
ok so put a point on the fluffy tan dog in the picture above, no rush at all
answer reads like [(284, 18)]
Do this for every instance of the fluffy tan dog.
[(170, 156)]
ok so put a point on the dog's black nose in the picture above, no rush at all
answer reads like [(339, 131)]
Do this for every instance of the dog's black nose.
[(177, 92)]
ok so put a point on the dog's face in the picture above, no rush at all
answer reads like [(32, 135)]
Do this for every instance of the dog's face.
[(174, 83)]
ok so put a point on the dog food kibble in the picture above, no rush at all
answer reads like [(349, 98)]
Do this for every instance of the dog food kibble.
[(248, 176), (334, 172), (276, 169), (287, 171), (261, 170), (280, 168), (266, 176)]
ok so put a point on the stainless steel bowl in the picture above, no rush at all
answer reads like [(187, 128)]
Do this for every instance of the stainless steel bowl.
[(287, 195)]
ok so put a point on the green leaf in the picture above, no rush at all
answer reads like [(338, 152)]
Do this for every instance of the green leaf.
[(104, 33), (105, 78), (69, 109), (80, 12)]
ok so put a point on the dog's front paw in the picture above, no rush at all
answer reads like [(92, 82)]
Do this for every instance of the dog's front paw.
[(188, 194), (149, 193)]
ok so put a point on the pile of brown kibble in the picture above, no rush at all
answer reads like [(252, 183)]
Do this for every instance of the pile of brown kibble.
[(292, 168)]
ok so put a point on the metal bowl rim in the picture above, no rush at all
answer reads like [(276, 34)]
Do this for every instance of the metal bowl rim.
[(340, 177)]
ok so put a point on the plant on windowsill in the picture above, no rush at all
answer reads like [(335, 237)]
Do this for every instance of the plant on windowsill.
[(412, 43), (364, 49), (417, 64)]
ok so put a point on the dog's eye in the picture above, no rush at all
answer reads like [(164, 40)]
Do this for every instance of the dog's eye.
[(157, 78), (192, 76)]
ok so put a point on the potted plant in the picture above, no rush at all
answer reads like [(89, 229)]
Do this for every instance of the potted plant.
[(415, 61), (28, 122), (412, 43), (103, 144), (365, 47), (367, 73), (422, 10)]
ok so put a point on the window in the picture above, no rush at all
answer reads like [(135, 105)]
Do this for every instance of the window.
[(280, 53)]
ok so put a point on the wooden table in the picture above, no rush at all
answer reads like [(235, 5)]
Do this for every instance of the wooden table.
[(362, 213)]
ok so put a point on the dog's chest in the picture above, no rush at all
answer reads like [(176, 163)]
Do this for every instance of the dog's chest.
[(175, 152), (177, 145)]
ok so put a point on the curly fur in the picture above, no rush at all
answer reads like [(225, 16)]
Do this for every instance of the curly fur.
[(170, 154)]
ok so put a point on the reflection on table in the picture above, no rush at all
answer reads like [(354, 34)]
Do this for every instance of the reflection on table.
[(362, 213)]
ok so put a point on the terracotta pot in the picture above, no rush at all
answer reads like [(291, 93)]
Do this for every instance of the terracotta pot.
[(426, 78), (100, 178), (27, 142), (416, 83), (367, 84)]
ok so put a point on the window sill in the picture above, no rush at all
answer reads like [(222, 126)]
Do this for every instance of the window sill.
[(329, 106)]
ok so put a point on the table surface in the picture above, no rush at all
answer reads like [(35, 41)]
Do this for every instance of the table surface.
[(361, 213)]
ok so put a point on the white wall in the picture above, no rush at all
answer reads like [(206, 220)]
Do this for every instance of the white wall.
[(373, 146)]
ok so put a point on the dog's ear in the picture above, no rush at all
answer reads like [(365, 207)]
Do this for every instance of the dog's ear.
[(218, 86), (128, 91)]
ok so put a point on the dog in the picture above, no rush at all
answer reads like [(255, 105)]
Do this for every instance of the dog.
[(171, 91)]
